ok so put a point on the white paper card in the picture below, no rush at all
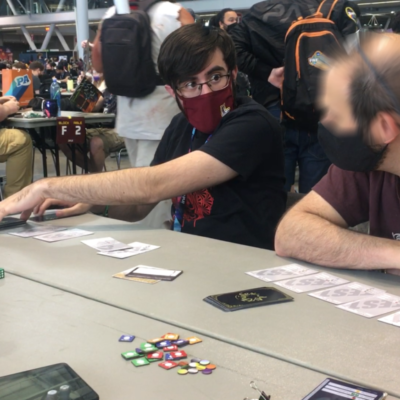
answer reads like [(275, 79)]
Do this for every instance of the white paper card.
[(145, 270), (105, 244), (373, 306), (63, 235), (393, 319), (135, 249), (283, 272), (311, 282), (28, 231), (347, 293)]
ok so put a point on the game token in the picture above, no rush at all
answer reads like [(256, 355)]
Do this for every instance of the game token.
[(182, 371), (171, 336), (128, 355), (183, 363), (140, 362), (204, 362), (126, 338), (148, 348), (155, 341), (196, 360), (180, 342), (194, 340), (200, 368), (139, 351), (174, 347), (211, 366), (168, 364), (157, 356), (168, 357), (178, 355), (193, 371), (164, 343), (206, 372), (193, 365)]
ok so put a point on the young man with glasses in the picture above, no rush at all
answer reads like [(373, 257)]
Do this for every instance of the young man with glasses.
[(220, 160)]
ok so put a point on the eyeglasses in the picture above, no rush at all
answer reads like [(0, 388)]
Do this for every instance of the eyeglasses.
[(194, 89)]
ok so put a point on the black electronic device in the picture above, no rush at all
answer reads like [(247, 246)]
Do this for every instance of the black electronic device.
[(11, 222)]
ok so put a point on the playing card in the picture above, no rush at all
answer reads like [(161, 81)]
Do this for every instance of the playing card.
[(346, 293), (134, 249), (373, 306), (105, 244), (311, 282), (393, 319), (63, 235), (168, 364), (28, 231), (283, 272)]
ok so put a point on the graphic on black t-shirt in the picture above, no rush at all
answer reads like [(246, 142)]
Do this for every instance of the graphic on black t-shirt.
[(198, 205)]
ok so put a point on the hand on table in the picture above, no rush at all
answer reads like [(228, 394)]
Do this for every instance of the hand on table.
[(5, 99), (11, 106), (276, 77), (73, 209)]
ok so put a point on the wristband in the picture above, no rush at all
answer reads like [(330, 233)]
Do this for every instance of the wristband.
[(105, 213)]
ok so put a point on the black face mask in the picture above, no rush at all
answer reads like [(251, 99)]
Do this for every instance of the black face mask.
[(231, 27), (348, 151)]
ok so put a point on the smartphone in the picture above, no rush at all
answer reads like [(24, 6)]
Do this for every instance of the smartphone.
[(44, 217), (10, 222)]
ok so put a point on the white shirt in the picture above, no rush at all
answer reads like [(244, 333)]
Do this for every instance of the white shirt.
[(148, 117)]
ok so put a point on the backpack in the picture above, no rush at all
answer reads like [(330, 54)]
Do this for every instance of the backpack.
[(126, 53), (308, 44)]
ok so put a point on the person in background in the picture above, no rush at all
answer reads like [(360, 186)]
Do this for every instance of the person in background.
[(62, 74), (15, 150), (37, 69), (2, 66), (224, 19), (50, 69), (19, 65)]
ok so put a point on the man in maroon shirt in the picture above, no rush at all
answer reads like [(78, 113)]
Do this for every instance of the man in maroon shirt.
[(360, 132)]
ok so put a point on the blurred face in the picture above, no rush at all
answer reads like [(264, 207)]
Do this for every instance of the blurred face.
[(36, 72), (230, 18)]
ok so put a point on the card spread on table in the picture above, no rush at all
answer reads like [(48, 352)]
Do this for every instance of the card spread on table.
[(143, 271), (124, 275), (105, 244), (346, 293), (393, 319), (247, 298), (63, 235), (135, 248), (373, 306), (28, 230), (283, 272), (311, 282)]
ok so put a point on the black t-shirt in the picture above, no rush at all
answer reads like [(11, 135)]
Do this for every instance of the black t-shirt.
[(246, 209), (62, 75)]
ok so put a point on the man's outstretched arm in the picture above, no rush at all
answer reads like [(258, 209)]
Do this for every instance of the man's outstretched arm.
[(134, 186), (313, 231)]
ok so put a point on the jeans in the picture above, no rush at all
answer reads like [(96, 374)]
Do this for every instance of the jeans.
[(303, 149)]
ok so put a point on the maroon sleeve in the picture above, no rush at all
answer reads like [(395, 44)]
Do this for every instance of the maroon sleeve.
[(347, 192)]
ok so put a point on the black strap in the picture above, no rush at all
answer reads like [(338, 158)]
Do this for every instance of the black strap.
[(326, 6)]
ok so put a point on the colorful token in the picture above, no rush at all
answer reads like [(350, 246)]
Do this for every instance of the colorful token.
[(204, 362), (193, 365), (126, 338), (211, 366), (168, 357), (182, 371), (148, 347), (177, 355), (171, 336), (168, 364), (181, 342), (193, 371), (139, 351), (173, 347), (201, 368), (194, 340), (155, 341), (197, 360), (140, 362), (164, 343), (128, 355), (206, 372), (157, 356)]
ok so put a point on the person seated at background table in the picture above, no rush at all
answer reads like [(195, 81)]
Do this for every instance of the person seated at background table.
[(19, 65), (37, 69), (101, 140), (15, 150), (50, 71), (62, 74), (361, 136), (220, 159)]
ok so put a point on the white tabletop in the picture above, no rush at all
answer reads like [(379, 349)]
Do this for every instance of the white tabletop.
[(43, 326), (307, 332)]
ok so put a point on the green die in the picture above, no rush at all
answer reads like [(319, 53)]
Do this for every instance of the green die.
[(1, 273), (128, 355), (148, 348), (140, 362)]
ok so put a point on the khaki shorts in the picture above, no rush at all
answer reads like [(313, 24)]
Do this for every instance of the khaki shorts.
[(111, 140)]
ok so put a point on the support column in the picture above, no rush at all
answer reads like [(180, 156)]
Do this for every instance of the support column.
[(82, 24)]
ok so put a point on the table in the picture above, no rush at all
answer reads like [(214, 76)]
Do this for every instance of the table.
[(308, 333), (32, 124), (43, 326)]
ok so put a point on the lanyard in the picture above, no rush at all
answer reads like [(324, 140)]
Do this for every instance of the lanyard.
[(180, 209)]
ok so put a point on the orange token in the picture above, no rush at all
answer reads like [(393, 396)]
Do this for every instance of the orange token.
[(211, 366), (194, 340)]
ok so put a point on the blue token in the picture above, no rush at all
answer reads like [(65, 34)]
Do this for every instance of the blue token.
[(126, 338), (168, 357)]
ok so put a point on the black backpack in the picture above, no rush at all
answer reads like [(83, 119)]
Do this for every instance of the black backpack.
[(126, 53), (309, 43)]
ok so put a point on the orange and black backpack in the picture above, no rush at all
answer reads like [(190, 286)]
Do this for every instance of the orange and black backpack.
[(309, 43)]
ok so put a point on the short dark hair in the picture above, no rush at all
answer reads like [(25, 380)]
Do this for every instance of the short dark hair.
[(186, 52), (19, 65), (36, 65), (221, 15)]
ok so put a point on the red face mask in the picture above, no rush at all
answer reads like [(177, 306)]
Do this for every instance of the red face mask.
[(205, 112)]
